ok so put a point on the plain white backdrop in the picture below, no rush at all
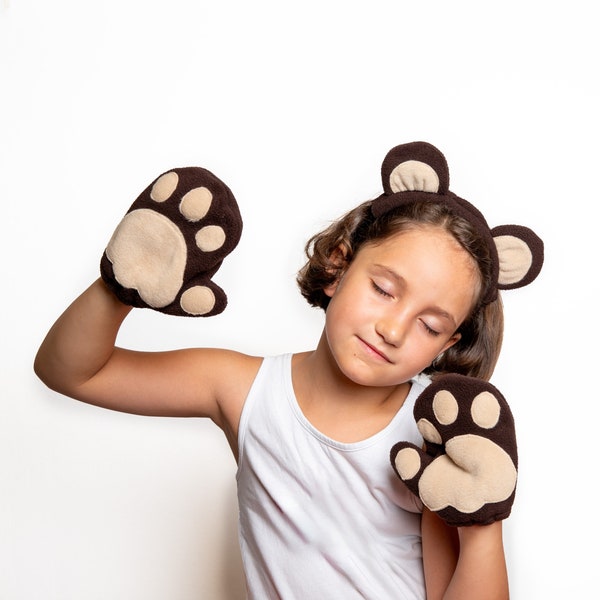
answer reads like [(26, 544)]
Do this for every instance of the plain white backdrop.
[(294, 106)]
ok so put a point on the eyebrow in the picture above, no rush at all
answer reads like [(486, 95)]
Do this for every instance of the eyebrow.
[(402, 282)]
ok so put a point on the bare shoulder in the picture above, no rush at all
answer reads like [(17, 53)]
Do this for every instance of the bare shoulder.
[(232, 374), (235, 373)]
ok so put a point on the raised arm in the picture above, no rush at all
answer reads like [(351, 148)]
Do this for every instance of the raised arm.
[(78, 358), (162, 255)]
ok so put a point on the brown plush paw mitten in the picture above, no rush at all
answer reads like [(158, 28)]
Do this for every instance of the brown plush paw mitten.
[(468, 471), (171, 242)]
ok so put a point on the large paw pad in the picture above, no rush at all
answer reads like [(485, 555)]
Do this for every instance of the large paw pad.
[(468, 472), (171, 242)]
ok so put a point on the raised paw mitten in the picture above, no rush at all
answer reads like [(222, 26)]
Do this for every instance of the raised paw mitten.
[(171, 242), (467, 473)]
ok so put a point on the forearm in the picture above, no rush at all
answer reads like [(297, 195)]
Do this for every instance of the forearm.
[(481, 568), (81, 341), (463, 562)]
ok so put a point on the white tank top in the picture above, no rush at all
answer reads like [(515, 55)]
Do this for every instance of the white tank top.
[(320, 519)]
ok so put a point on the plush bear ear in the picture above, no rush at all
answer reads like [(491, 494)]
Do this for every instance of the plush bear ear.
[(520, 255), (415, 167), (417, 172)]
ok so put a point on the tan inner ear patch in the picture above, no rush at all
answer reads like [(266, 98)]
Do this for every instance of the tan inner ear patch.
[(429, 432), (445, 407), (408, 463), (164, 187), (515, 259), (197, 300), (210, 238), (485, 410), (196, 204), (414, 176)]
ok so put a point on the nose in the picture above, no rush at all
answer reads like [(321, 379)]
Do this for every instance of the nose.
[(391, 328)]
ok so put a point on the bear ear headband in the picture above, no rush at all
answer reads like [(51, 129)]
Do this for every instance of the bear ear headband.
[(419, 172)]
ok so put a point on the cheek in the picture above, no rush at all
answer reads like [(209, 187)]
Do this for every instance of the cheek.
[(345, 310)]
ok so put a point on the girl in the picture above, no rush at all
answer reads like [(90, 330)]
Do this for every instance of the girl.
[(408, 284)]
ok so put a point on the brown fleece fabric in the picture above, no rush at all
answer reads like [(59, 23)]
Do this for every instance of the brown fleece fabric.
[(418, 172), (171, 242), (467, 473)]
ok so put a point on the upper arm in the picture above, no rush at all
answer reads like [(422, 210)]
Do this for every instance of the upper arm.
[(78, 358), (196, 382)]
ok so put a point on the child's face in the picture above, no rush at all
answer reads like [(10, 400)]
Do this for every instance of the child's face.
[(398, 306)]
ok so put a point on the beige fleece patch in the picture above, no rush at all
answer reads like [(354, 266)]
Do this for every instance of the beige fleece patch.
[(210, 238), (428, 431), (414, 175), (164, 187), (408, 463), (197, 300), (148, 254), (478, 472), (196, 204), (515, 259), (485, 410), (445, 407)]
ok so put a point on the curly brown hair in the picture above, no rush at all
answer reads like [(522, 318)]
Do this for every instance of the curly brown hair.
[(330, 252)]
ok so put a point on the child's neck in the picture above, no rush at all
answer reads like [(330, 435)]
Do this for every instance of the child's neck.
[(336, 406)]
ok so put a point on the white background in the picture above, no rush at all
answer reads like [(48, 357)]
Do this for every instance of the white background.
[(294, 106)]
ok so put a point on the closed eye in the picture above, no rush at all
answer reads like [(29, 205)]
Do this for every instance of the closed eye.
[(380, 290), (430, 330)]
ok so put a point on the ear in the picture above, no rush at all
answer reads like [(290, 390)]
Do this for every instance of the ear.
[(337, 267), (330, 289), (410, 170), (415, 167), (520, 255), (455, 338), (419, 171)]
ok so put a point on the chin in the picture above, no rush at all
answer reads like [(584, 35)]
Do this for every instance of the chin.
[(368, 376)]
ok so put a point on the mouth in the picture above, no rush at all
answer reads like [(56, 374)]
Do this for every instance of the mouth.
[(373, 351)]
